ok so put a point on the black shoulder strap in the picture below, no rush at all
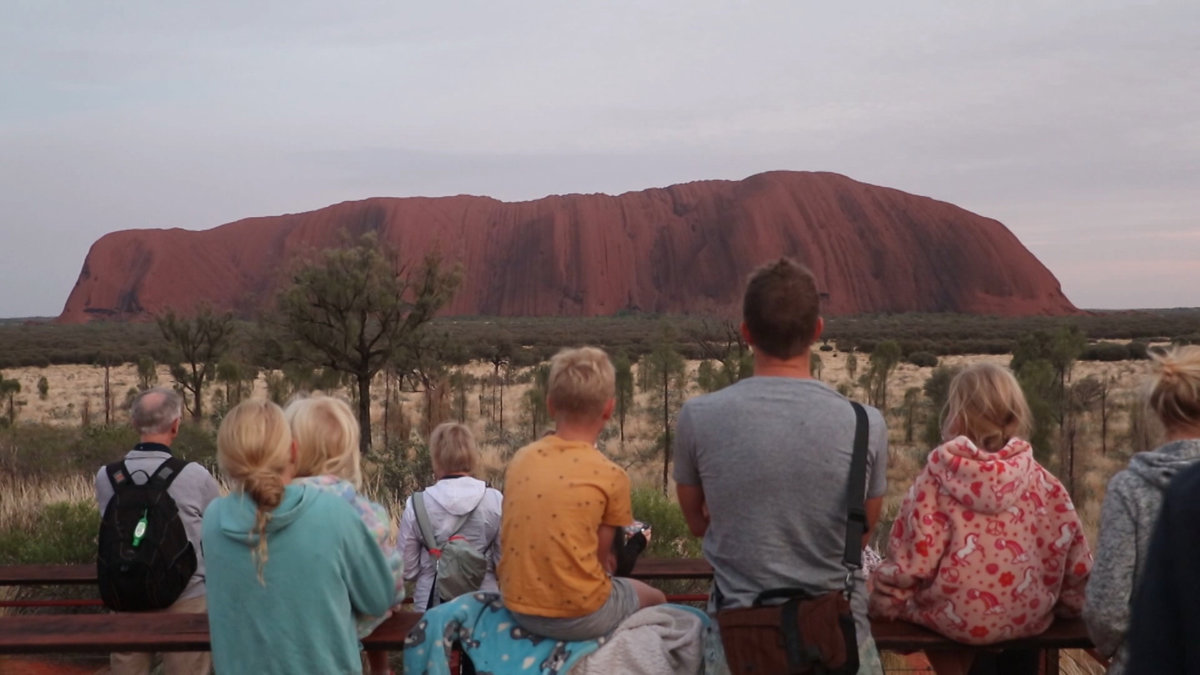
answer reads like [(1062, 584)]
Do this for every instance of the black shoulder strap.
[(856, 521), (167, 472), (118, 475)]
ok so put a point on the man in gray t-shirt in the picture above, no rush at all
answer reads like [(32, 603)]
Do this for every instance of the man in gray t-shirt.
[(762, 466)]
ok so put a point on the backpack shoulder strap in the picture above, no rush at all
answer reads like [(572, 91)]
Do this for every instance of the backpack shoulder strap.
[(167, 472), (426, 527), (118, 475), (856, 521)]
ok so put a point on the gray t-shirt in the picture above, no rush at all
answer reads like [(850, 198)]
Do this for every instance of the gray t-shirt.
[(772, 455), (192, 491)]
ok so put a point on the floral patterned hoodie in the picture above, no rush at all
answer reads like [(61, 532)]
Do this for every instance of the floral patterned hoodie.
[(987, 545)]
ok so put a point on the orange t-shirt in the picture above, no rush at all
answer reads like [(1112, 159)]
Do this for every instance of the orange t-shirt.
[(557, 494)]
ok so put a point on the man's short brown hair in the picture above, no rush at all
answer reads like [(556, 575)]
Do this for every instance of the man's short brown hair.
[(780, 308)]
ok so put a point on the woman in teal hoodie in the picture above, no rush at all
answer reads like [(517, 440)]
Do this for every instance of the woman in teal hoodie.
[(288, 565)]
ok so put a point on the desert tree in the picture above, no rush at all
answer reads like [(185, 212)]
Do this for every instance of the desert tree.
[(198, 342), (425, 358), (666, 376), (352, 311), (624, 389), (912, 405), (238, 378), (1082, 396), (534, 400), (500, 354), (459, 381), (937, 390), (147, 373), (9, 390), (883, 361)]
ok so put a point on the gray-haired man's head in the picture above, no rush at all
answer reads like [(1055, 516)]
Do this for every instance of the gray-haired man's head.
[(155, 411)]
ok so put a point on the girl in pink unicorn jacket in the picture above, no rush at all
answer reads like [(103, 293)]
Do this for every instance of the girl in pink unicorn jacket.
[(987, 545)]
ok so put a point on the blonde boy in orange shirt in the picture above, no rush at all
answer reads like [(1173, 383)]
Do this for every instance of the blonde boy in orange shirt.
[(563, 503)]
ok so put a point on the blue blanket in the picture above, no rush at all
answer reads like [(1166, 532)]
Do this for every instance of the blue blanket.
[(490, 637)]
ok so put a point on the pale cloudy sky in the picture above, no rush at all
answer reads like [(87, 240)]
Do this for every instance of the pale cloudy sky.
[(1077, 124)]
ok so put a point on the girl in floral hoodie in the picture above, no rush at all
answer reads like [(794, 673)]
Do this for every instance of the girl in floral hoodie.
[(987, 545), (326, 438)]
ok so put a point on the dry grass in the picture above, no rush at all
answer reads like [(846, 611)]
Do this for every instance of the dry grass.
[(22, 499)]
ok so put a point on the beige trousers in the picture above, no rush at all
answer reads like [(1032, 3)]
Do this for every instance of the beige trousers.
[(174, 663)]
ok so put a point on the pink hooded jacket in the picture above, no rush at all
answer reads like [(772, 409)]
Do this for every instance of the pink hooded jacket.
[(986, 546)]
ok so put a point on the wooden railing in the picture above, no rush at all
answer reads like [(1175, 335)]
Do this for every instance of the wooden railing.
[(157, 631)]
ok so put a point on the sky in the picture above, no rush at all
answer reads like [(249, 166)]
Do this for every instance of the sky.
[(1075, 124)]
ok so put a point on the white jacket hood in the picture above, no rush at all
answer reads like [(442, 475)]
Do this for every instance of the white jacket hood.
[(457, 496)]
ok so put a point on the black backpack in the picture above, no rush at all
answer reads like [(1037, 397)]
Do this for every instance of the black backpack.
[(144, 559)]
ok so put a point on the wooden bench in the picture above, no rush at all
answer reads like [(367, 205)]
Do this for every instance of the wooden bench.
[(188, 632)]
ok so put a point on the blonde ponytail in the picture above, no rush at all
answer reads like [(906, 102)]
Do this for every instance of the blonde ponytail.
[(254, 452), (1175, 386)]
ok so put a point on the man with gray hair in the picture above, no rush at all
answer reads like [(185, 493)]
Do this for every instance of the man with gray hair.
[(156, 415)]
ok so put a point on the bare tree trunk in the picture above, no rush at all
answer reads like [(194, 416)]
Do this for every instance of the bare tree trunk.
[(364, 412), (666, 427), (1104, 420), (107, 397), (387, 407)]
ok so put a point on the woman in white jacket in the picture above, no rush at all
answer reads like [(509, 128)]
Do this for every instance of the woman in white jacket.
[(455, 495)]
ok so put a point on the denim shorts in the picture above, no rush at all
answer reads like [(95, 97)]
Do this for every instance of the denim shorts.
[(622, 601)]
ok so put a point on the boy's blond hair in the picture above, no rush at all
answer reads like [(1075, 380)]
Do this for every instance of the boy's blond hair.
[(452, 448), (327, 436), (986, 405), (581, 383), (1175, 386), (254, 447)]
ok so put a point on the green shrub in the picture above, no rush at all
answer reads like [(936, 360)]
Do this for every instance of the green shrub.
[(63, 532), (1105, 351), (923, 359), (670, 537)]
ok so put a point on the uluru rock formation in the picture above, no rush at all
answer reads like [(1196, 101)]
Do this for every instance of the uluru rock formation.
[(681, 249)]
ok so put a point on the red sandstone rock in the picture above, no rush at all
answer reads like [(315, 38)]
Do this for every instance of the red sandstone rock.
[(682, 249)]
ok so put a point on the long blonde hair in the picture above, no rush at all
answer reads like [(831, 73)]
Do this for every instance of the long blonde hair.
[(253, 451), (986, 405), (327, 435), (1175, 386)]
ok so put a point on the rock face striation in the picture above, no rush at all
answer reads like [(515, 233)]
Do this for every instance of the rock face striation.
[(681, 249)]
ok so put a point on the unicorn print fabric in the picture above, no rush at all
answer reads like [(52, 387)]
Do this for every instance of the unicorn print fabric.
[(986, 547)]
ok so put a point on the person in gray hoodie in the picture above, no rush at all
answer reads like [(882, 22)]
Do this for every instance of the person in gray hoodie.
[(1134, 499), (458, 504)]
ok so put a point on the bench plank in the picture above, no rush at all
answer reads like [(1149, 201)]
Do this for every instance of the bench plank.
[(148, 631), (32, 575), (672, 568), (161, 631), (37, 575), (902, 636)]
